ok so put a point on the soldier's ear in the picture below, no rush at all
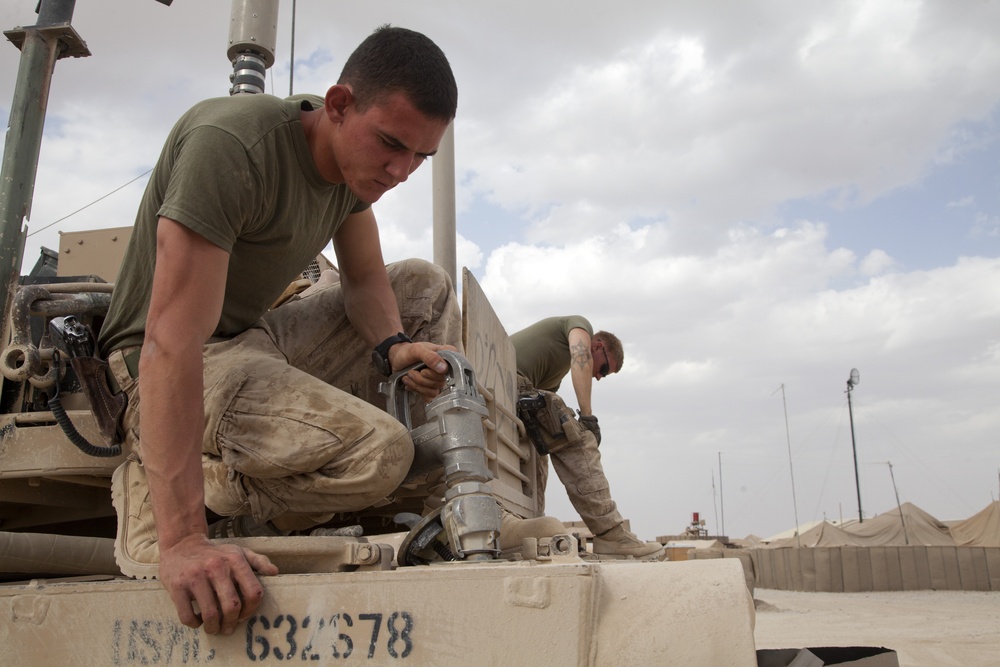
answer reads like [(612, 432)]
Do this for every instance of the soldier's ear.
[(338, 98)]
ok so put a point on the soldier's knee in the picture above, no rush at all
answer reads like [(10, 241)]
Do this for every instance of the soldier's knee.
[(420, 275), (391, 464)]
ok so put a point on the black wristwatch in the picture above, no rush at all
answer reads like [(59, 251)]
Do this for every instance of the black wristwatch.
[(380, 355)]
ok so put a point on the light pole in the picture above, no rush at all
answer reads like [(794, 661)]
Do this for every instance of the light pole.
[(852, 381)]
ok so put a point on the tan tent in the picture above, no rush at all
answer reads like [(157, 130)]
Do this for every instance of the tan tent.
[(748, 542), (886, 530), (823, 534), (979, 530)]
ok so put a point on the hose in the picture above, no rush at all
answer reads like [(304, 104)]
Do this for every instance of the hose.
[(42, 553)]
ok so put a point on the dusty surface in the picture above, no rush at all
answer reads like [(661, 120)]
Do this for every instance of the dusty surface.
[(925, 628)]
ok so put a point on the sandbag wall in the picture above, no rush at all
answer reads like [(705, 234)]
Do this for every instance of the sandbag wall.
[(862, 569), (742, 554)]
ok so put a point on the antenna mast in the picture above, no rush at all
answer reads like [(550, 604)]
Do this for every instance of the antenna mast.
[(788, 437), (253, 33), (291, 56), (722, 503), (853, 380), (896, 491), (715, 502)]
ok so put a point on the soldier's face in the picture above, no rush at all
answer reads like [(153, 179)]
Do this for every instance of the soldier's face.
[(380, 147)]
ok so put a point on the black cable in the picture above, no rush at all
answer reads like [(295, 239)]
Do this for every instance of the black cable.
[(84, 445), (42, 229)]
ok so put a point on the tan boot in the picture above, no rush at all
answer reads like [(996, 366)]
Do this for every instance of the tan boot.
[(620, 542), (136, 549), (513, 529)]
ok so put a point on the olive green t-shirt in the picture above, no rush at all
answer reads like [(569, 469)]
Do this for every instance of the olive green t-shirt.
[(238, 172), (543, 350)]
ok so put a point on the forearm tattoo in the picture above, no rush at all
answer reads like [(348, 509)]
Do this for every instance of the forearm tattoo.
[(580, 355)]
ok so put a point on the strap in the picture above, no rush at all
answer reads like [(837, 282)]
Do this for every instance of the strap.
[(131, 359)]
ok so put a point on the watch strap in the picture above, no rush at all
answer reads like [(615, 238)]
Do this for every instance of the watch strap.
[(382, 349)]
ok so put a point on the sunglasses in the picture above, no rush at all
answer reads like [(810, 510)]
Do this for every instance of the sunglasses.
[(606, 366)]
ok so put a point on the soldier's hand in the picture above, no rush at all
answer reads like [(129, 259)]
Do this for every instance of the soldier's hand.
[(429, 380), (589, 422), (213, 584)]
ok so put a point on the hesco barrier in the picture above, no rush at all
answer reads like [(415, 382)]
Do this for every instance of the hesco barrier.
[(749, 568), (863, 569)]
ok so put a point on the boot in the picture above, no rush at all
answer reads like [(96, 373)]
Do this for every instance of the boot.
[(513, 529), (136, 549), (621, 542)]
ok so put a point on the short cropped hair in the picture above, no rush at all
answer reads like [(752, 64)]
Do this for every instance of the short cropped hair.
[(613, 345), (394, 60)]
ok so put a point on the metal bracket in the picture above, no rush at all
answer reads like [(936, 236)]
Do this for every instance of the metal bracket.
[(71, 45)]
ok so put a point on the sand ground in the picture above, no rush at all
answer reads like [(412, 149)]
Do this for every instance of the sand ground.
[(925, 628)]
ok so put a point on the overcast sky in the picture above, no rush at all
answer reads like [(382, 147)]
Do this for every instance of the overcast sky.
[(756, 197)]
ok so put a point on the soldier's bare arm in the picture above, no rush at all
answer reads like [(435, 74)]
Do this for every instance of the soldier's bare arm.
[(371, 304), (188, 287), (581, 368)]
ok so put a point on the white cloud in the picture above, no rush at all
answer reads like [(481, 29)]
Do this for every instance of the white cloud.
[(986, 225), (718, 131), (876, 262)]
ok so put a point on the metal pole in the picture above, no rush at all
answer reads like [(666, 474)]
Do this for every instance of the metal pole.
[(41, 45), (788, 436), (896, 491), (253, 35), (715, 502), (291, 61), (722, 503), (854, 447), (443, 174)]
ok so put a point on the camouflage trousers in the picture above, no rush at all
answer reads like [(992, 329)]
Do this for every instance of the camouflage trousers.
[(577, 462), (295, 428)]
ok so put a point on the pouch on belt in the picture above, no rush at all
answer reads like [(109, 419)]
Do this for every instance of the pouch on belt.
[(549, 423)]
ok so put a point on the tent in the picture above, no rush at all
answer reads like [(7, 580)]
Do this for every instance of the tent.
[(979, 530), (886, 530), (822, 534)]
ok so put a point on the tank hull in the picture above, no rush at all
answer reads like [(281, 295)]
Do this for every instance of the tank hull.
[(501, 613)]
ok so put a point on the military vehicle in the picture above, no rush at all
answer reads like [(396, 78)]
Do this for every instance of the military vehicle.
[(428, 589)]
